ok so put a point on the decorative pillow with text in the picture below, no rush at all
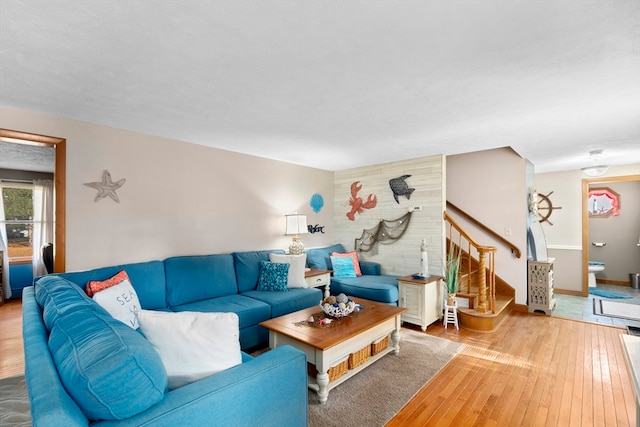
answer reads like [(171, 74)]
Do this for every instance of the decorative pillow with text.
[(117, 296)]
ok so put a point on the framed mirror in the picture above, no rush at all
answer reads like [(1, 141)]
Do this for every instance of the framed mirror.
[(603, 202)]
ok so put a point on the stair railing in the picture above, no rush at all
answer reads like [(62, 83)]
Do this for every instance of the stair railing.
[(514, 249), (485, 275)]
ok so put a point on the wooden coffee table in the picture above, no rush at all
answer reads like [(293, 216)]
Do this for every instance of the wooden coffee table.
[(332, 346)]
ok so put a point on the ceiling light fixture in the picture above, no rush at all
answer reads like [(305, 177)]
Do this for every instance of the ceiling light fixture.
[(595, 169)]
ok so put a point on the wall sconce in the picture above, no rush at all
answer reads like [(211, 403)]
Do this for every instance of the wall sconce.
[(595, 170), (296, 225)]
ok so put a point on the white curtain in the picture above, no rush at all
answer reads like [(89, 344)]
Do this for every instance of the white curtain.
[(6, 286), (42, 222)]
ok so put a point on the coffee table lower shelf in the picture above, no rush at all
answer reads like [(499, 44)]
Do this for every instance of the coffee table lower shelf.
[(314, 383)]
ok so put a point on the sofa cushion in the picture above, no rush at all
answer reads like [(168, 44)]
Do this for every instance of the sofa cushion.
[(273, 276), (297, 264), (109, 369), (199, 277), (192, 345), (343, 267), (247, 265), (377, 288), (321, 257), (117, 296), (250, 311), (282, 303), (58, 296), (147, 278)]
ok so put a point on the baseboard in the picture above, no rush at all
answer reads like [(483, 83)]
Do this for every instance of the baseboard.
[(567, 292), (521, 308), (613, 282)]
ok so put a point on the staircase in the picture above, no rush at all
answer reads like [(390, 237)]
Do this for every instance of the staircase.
[(484, 300)]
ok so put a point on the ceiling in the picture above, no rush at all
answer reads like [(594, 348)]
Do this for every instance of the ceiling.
[(338, 84)]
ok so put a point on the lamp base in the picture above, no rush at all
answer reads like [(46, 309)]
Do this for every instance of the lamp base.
[(296, 247)]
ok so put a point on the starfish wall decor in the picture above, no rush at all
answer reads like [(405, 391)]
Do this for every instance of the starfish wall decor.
[(106, 187)]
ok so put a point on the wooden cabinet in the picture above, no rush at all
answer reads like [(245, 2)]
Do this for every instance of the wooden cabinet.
[(422, 298), (316, 278), (540, 278)]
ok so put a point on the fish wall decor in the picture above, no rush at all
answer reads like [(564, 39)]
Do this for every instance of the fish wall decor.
[(399, 187)]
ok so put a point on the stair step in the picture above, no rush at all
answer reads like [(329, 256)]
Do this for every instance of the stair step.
[(466, 300), (486, 322)]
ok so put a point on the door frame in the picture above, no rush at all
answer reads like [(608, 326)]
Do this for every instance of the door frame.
[(586, 182), (59, 185)]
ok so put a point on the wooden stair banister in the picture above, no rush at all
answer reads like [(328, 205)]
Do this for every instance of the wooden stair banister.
[(486, 266), (514, 249)]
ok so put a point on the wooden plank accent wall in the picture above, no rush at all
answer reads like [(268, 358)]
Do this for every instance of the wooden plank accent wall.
[(403, 257)]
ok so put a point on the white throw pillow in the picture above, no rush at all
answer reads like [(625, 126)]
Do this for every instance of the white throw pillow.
[(121, 301), (297, 264), (192, 345)]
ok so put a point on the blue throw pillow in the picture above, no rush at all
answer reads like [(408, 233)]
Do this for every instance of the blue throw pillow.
[(343, 267), (273, 276)]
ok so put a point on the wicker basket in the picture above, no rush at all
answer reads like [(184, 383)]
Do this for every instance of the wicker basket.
[(335, 372), (359, 357), (379, 345)]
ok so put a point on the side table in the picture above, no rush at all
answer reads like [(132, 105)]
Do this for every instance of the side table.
[(422, 298), (316, 278)]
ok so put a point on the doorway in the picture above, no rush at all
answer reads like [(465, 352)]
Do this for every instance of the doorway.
[(586, 241), (59, 185)]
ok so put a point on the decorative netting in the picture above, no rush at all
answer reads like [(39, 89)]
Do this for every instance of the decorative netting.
[(386, 232)]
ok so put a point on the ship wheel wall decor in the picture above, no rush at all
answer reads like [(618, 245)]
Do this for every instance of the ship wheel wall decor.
[(541, 207)]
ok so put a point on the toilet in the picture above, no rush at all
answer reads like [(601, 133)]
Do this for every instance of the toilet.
[(594, 267)]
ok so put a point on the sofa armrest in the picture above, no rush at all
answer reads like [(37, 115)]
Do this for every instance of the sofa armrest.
[(270, 390), (50, 404), (370, 267)]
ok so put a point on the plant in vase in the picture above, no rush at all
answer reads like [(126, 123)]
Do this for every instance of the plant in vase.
[(452, 273)]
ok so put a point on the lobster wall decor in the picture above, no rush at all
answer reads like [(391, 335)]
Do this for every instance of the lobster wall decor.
[(356, 202)]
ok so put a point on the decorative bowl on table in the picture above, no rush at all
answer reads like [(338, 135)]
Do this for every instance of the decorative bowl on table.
[(338, 306)]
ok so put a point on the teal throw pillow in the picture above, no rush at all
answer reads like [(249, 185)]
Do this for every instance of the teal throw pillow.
[(273, 276), (343, 267)]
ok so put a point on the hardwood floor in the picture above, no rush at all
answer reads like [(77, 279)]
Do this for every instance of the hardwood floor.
[(11, 347), (535, 370)]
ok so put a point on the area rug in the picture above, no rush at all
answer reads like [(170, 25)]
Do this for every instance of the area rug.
[(376, 394), (14, 404), (617, 309), (607, 294)]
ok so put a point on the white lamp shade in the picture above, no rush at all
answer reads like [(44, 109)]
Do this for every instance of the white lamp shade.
[(296, 224)]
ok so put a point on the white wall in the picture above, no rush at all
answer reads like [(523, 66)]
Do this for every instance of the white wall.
[(179, 198), (564, 237), (402, 257), (491, 186)]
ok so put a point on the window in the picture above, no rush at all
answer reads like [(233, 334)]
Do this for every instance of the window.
[(18, 211)]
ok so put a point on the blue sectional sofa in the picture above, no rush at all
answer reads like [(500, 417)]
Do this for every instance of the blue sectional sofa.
[(113, 376), (371, 285)]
